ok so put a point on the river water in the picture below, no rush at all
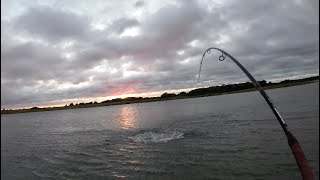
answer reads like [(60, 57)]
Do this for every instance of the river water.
[(233, 136)]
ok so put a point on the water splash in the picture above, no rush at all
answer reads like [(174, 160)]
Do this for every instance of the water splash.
[(157, 137)]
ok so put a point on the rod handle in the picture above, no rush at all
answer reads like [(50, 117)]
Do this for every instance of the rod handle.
[(301, 160)]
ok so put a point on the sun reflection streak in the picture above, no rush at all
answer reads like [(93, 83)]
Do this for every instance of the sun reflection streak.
[(128, 117)]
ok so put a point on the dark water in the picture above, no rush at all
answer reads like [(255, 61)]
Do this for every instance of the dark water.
[(223, 137)]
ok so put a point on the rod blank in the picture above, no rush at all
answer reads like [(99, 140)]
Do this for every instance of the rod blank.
[(297, 151)]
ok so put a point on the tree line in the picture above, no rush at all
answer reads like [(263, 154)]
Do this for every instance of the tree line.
[(212, 90)]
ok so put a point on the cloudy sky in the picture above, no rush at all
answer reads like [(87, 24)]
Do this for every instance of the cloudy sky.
[(57, 52)]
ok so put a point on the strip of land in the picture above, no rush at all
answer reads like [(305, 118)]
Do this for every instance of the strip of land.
[(200, 92)]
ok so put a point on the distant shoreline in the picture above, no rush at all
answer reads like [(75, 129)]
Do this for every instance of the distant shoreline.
[(132, 100)]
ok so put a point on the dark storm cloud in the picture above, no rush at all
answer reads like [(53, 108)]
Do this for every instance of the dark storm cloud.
[(50, 54)]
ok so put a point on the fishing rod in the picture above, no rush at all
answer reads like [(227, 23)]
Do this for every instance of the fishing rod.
[(297, 151)]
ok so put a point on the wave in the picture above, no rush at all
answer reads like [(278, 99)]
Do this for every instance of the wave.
[(157, 137)]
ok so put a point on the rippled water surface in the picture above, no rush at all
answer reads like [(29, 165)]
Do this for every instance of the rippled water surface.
[(232, 136)]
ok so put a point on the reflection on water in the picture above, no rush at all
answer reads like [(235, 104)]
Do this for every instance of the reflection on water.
[(127, 150), (115, 174), (128, 117), (128, 120)]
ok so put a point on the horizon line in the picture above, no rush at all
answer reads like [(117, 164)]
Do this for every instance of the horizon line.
[(144, 95)]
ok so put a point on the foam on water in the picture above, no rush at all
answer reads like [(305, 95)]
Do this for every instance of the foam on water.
[(157, 137)]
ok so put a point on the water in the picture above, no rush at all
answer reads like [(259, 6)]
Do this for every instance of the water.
[(232, 136)]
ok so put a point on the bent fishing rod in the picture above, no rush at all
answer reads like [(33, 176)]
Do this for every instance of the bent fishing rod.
[(297, 151)]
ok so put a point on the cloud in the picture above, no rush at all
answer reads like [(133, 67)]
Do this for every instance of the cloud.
[(120, 25), (58, 52), (139, 4), (52, 24)]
